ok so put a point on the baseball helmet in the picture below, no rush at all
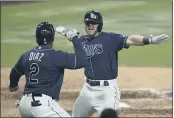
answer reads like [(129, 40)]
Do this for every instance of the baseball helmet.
[(44, 33), (109, 113), (96, 17)]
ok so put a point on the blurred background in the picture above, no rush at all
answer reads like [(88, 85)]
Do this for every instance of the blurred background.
[(145, 17)]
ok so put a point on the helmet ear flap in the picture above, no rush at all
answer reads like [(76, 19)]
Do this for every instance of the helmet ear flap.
[(99, 28)]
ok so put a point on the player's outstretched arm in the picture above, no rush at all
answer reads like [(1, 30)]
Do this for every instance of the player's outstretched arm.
[(69, 60), (15, 74), (138, 40), (79, 55)]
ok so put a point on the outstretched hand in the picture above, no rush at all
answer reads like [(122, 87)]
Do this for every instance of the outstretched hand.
[(158, 39), (69, 33)]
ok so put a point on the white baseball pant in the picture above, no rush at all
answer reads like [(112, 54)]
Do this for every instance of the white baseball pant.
[(96, 98), (49, 107)]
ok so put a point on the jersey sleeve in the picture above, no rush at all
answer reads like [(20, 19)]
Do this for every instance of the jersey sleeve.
[(118, 41), (67, 60), (16, 72), (18, 66), (64, 59), (72, 60)]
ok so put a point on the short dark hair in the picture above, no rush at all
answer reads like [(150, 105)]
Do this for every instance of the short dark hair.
[(109, 113)]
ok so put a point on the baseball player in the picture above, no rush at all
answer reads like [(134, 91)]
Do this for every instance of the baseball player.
[(43, 68), (100, 90)]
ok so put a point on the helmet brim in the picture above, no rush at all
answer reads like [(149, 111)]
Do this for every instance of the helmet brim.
[(89, 20)]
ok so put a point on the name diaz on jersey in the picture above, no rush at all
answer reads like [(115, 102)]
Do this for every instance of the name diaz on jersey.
[(36, 56)]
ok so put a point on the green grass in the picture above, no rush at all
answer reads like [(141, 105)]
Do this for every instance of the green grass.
[(18, 23)]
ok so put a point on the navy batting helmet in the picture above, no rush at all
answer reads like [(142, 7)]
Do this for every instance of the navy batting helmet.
[(109, 113), (44, 33), (96, 17)]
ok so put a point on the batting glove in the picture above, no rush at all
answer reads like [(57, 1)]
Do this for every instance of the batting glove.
[(61, 30), (17, 103), (158, 39), (69, 33)]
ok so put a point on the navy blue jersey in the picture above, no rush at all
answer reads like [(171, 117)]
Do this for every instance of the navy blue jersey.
[(102, 55), (43, 68)]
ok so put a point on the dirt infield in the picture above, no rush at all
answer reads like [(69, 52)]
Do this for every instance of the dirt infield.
[(147, 91)]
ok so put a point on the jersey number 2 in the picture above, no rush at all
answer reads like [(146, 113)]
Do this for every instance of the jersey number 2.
[(34, 70)]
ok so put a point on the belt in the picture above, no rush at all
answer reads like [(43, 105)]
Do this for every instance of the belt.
[(97, 82), (35, 95)]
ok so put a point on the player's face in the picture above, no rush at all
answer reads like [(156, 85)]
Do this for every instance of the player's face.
[(91, 28)]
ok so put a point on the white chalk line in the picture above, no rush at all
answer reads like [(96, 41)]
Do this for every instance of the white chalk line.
[(161, 95), (123, 105)]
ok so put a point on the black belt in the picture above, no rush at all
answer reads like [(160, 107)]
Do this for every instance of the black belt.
[(34, 94), (96, 83)]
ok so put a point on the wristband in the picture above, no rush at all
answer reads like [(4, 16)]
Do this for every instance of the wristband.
[(146, 41)]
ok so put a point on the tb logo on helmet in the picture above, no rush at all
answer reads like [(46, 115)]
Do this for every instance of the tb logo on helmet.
[(93, 16)]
